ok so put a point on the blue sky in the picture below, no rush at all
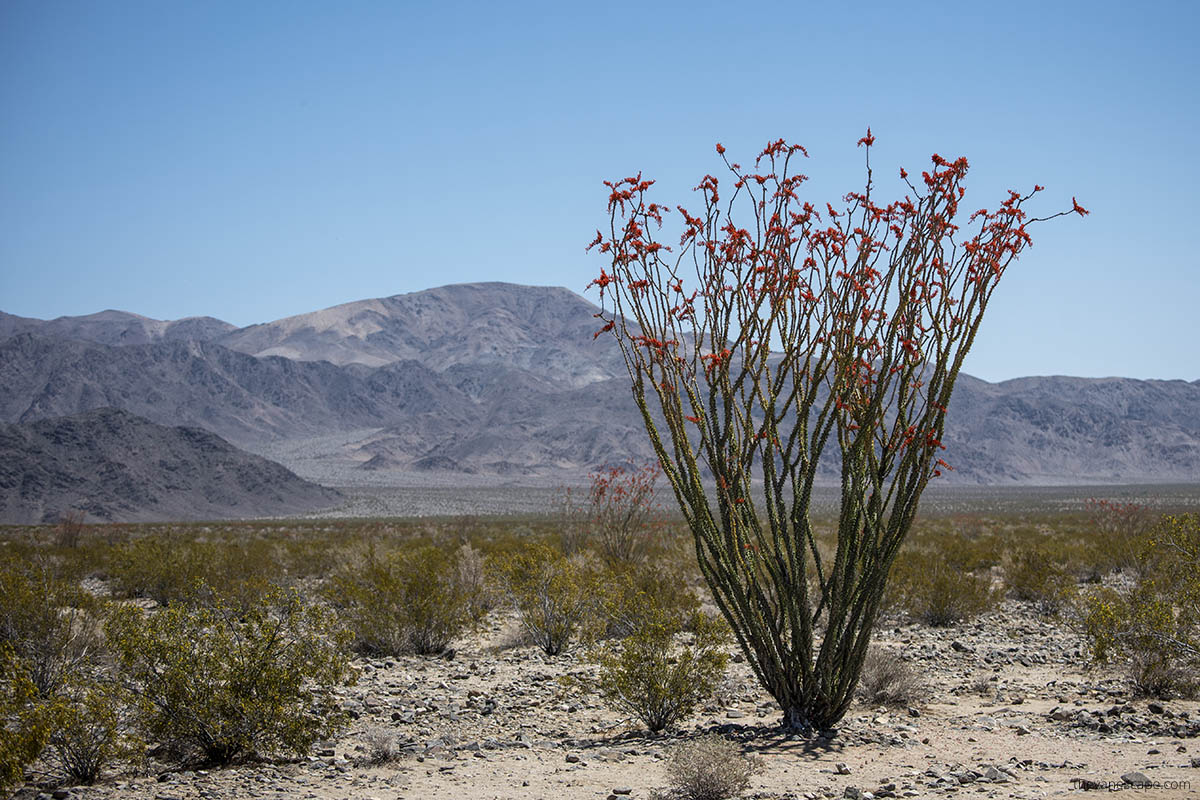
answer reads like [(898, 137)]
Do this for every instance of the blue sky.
[(255, 160)]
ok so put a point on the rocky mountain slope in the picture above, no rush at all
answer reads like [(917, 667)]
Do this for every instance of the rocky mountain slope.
[(544, 330), (498, 379), (117, 328), (119, 467)]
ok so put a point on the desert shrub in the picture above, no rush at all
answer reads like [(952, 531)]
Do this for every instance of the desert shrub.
[(472, 581), (937, 594), (887, 679), (1118, 533), (554, 595), (1153, 626), (24, 726), (633, 590), (406, 602), (380, 746), (1033, 576), (220, 683), (88, 730), (969, 553), (70, 528), (175, 570), (48, 623), (656, 678), (710, 768)]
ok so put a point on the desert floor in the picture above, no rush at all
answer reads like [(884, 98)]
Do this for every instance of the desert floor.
[(1012, 710)]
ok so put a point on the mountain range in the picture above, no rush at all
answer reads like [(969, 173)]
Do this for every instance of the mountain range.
[(113, 465), (497, 379)]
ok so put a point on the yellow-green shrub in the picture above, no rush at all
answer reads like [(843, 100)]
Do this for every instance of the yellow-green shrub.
[(88, 730), (407, 602), (1033, 576), (221, 683), (1154, 626), (49, 624), (554, 595), (937, 594), (24, 726), (655, 677)]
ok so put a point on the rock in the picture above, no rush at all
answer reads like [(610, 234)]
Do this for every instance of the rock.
[(1023, 731), (994, 775), (852, 793), (572, 758), (1135, 779), (959, 647), (841, 768), (733, 713), (913, 711), (1196, 761), (622, 790)]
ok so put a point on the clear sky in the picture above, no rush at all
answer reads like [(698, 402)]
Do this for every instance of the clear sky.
[(252, 160)]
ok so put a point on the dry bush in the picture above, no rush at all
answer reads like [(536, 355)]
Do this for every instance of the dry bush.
[(220, 683), (887, 679), (555, 596), (937, 594), (1033, 576), (49, 624), (70, 528), (710, 768), (1154, 624), (380, 746), (653, 675), (406, 602)]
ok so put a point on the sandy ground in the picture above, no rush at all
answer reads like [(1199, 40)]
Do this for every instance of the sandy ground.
[(1011, 710)]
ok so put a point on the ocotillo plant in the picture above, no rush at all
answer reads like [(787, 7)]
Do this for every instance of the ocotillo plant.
[(772, 330)]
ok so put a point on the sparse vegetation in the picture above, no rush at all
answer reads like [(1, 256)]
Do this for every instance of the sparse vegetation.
[(1154, 624), (1033, 576), (219, 683), (657, 678), (554, 596), (938, 594), (887, 679), (413, 601), (710, 768)]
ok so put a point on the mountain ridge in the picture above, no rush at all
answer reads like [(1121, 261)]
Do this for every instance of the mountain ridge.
[(502, 379)]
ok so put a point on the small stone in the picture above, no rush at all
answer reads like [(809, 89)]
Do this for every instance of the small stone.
[(1023, 731), (959, 647), (841, 768), (852, 793), (572, 758), (733, 713), (1155, 708), (1135, 779), (913, 711), (994, 775), (1196, 762), (622, 790)]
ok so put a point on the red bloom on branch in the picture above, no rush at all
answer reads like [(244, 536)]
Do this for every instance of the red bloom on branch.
[(868, 140), (720, 149), (1078, 209)]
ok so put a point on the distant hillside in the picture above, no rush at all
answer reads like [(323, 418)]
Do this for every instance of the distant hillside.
[(547, 331), (117, 328), (240, 397), (116, 466), (499, 379)]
